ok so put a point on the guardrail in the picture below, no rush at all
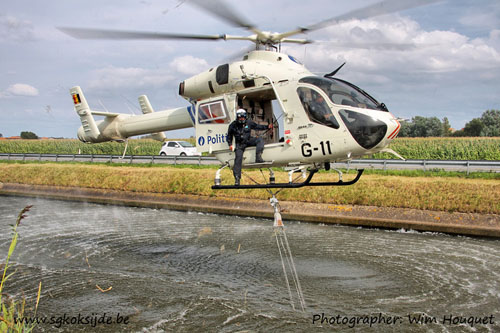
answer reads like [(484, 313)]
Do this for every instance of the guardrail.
[(464, 166), (154, 159), (425, 165)]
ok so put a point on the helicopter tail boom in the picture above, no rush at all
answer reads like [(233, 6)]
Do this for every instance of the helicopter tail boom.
[(119, 127)]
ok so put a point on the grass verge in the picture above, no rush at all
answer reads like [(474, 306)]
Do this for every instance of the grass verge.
[(452, 194), (402, 173)]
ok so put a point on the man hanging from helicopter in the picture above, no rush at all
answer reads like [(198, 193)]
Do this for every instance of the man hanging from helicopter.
[(241, 129)]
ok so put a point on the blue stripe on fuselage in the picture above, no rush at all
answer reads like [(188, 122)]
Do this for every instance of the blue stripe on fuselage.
[(190, 110)]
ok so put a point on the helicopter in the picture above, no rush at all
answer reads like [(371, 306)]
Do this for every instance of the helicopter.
[(317, 120)]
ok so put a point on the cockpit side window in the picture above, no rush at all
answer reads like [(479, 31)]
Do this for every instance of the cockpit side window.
[(316, 107)]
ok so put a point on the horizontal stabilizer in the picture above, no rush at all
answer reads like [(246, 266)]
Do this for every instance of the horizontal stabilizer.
[(160, 136), (104, 113)]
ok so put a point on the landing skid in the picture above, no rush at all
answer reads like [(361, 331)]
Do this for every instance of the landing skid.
[(258, 165), (306, 182)]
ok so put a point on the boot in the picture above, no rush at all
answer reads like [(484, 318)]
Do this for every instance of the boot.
[(236, 181), (258, 158)]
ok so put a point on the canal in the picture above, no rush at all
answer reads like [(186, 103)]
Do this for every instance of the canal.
[(109, 268)]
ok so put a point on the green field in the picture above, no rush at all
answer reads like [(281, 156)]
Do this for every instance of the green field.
[(409, 148), (73, 146), (480, 148)]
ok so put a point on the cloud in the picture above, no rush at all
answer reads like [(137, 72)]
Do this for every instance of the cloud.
[(428, 51), (14, 29), (128, 77), (481, 16), (189, 65), (19, 89)]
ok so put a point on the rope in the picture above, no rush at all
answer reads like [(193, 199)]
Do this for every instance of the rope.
[(284, 270), (247, 175), (286, 252), (295, 275)]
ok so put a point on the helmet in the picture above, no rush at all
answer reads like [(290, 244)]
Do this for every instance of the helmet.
[(241, 116)]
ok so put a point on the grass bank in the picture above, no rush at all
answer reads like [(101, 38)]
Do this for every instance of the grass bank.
[(450, 194)]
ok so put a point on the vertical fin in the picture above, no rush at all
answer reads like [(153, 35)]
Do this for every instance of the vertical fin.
[(89, 126), (147, 108), (145, 105)]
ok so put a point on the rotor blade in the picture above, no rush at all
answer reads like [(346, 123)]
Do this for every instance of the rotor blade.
[(85, 33), (223, 11), (373, 46), (297, 41), (377, 9)]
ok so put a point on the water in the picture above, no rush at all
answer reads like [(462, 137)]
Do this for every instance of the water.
[(176, 271)]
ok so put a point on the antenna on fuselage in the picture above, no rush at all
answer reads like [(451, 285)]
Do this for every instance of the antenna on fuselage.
[(334, 72)]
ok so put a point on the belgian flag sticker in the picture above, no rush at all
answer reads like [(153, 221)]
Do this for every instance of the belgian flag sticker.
[(76, 99)]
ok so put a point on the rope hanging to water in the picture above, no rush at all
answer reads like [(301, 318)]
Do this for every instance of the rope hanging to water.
[(285, 252)]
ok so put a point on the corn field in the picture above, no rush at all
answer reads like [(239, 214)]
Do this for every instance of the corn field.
[(73, 146), (410, 148), (480, 148)]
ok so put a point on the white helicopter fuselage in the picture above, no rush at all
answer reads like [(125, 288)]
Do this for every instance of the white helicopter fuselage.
[(317, 119), (265, 78)]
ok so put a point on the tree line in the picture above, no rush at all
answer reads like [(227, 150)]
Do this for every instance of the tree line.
[(487, 125), (25, 135)]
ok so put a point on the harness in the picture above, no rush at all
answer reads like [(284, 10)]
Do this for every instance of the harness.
[(242, 133)]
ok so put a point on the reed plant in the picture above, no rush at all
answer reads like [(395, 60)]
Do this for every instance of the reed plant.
[(12, 313)]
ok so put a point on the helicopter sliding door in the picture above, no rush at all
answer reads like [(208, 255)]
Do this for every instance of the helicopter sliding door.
[(213, 117)]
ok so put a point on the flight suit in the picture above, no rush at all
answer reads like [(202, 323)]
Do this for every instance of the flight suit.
[(243, 139)]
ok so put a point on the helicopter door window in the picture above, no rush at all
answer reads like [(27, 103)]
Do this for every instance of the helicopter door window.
[(316, 107), (213, 113)]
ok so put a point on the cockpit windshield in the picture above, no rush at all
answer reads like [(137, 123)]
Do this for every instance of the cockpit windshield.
[(344, 93)]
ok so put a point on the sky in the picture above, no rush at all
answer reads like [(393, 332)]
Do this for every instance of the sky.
[(441, 59)]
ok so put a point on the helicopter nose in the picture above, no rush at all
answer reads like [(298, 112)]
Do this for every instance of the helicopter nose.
[(393, 128), (367, 130)]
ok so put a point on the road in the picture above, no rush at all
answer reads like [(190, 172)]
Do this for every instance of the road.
[(425, 165)]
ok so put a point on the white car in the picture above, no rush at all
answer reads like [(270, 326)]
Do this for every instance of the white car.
[(178, 148)]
